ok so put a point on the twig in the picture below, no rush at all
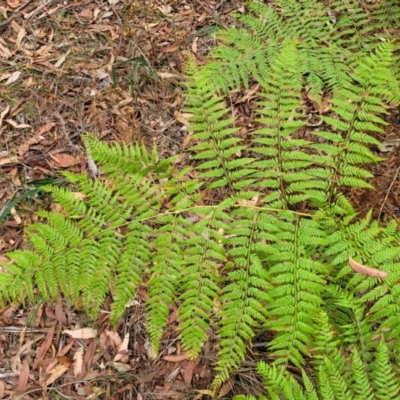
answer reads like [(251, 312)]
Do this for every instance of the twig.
[(15, 15), (36, 10), (387, 194)]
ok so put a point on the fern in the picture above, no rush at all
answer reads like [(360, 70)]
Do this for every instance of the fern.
[(256, 233)]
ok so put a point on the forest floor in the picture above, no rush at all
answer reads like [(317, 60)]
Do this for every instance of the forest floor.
[(113, 68)]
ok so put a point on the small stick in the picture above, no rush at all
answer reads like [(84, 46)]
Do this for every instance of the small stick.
[(387, 194), (15, 15), (36, 10)]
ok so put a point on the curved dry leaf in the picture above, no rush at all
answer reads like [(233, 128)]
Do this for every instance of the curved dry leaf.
[(84, 333), (4, 52), (23, 377), (123, 349), (115, 338), (13, 3), (2, 389), (63, 160), (55, 373), (13, 77), (362, 269), (4, 113), (9, 160), (176, 358), (78, 358), (16, 125)]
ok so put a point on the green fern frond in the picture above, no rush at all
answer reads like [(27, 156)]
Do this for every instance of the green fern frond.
[(165, 274), (200, 277), (337, 383), (361, 383), (384, 378), (298, 284), (245, 298), (17, 278)]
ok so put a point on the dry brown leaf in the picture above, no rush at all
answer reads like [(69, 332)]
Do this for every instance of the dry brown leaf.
[(120, 367), (23, 377), (78, 358), (13, 3), (5, 76), (9, 160), (63, 160), (57, 371), (21, 35), (86, 13), (84, 333), (24, 148), (182, 118), (362, 269), (60, 314), (204, 392), (4, 52), (2, 389), (15, 362), (61, 60), (249, 94), (13, 77), (115, 338), (123, 349), (188, 368), (9, 312), (225, 389), (151, 353), (176, 358), (15, 215), (44, 347), (16, 125), (4, 113), (14, 177), (79, 196), (168, 75), (38, 315), (195, 45)]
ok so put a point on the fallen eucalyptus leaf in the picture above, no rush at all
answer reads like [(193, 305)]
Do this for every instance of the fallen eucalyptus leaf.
[(362, 269)]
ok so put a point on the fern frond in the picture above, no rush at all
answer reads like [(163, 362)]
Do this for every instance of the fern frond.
[(298, 285), (200, 277), (361, 383), (130, 267), (278, 383), (384, 378), (338, 385), (245, 298), (165, 273), (17, 279)]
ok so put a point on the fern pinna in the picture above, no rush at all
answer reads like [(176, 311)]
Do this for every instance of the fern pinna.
[(270, 252)]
